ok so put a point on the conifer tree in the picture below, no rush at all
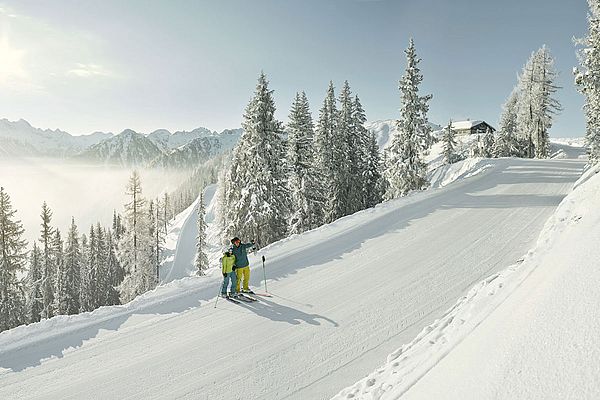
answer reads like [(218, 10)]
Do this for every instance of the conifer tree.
[(115, 272), (506, 143), (57, 254), (325, 135), (136, 244), (405, 168), (70, 274), (257, 201), (587, 79), (201, 261), (86, 302), (13, 257), (449, 141), (35, 301), (536, 105), (489, 142), (341, 199), (374, 185), (305, 185), (48, 283), (366, 177)]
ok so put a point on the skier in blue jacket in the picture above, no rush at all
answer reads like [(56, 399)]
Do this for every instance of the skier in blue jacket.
[(242, 265)]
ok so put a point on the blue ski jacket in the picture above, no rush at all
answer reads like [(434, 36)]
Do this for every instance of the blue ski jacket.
[(241, 256)]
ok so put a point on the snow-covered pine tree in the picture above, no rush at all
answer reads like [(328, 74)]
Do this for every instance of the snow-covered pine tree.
[(257, 200), (13, 257), (374, 183), (488, 144), (367, 176), (86, 302), (548, 105), (101, 267), (58, 259), (159, 235), (324, 145), (587, 79), (48, 266), (69, 278), (93, 281), (117, 226), (506, 143), (201, 261), (449, 141), (115, 272), (35, 302), (536, 105), (344, 197), (305, 185), (135, 245), (154, 234), (405, 169)]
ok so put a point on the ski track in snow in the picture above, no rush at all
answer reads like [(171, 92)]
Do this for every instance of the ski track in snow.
[(345, 296)]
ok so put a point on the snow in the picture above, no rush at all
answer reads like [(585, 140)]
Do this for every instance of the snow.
[(180, 242), (344, 296), (528, 331), (462, 125)]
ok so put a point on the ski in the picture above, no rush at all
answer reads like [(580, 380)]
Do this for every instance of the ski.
[(232, 300), (263, 294), (245, 298)]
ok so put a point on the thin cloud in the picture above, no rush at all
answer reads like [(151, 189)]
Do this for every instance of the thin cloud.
[(89, 71)]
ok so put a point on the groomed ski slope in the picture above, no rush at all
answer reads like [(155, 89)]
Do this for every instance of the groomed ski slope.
[(345, 296), (527, 332)]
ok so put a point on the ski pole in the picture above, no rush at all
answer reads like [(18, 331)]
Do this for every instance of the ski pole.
[(218, 295), (264, 274)]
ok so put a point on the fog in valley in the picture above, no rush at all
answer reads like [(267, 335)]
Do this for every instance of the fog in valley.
[(87, 192)]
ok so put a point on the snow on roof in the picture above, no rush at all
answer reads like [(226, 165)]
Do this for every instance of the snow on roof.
[(460, 125)]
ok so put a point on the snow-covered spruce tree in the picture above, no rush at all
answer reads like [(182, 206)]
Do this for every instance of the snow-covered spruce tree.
[(114, 270), (58, 259), (405, 169), (587, 79), (324, 145), (13, 257), (488, 144), (201, 261), (506, 143), (343, 199), (101, 267), (449, 141), (48, 267), (157, 236), (368, 163), (536, 105), (35, 302), (69, 277), (305, 184), (135, 245), (257, 200)]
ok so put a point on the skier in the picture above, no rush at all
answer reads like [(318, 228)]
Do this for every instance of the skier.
[(242, 265), (228, 261)]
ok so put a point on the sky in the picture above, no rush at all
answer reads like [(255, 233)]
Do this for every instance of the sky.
[(86, 66)]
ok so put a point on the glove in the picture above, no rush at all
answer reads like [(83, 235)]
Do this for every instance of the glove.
[(224, 275), (234, 267)]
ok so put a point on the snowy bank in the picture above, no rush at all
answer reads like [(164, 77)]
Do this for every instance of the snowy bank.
[(529, 331)]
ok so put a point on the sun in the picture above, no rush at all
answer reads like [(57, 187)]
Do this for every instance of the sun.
[(11, 62)]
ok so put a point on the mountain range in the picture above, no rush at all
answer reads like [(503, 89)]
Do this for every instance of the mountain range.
[(162, 148)]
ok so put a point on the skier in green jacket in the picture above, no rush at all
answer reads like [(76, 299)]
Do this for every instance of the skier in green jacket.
[(227, 263), (242, 265)]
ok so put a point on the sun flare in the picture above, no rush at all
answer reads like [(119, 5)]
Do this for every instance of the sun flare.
[(11, 62)]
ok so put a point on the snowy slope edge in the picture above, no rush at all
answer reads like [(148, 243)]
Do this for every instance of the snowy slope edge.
[(405, 366)]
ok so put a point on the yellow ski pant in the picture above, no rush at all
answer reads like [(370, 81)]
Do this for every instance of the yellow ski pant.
[(242, 274)]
